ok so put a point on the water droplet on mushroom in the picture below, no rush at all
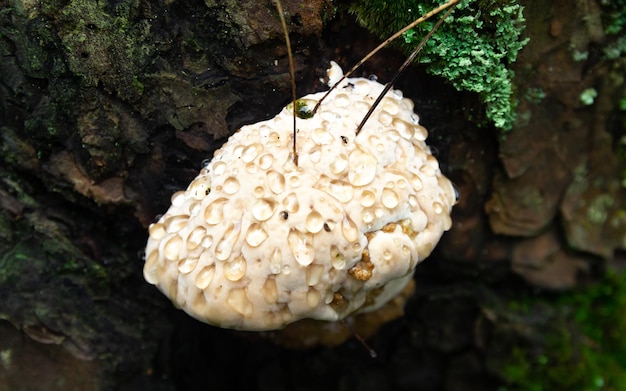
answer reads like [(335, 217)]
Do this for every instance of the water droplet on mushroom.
[(151, 272), (313, 298), (251, 168), (415, 119), (156, 231), (314, 274), (286, 270), (199, 188), (368, 198), (276, 181), (214, 213), (205, 163), (263, 209), (321, 136), (362, 167), (387, 255), (276, 261), (384, 118), (256, 235), (339, 164), (405, 129), (390, 198), (207, 241), (178, 199), (349, 229), (341, 100), (195, 237), (265, 161), (238, 301), (301, 246), (291, 203), (341, 190), (373, 77), (187, 265), (437, 208), (315, 155), (219, 168), (175, 223), (270, 291), (367, 216), (231, 185), (205, 276), (172, 247), (250, 152), (294, 181), (337, 259), (420, 133), (390, 105), (314, 222), (224, 247), (235, 269), (416, 182)]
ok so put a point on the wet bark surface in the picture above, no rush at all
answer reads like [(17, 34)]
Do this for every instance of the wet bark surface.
[(107, 108)]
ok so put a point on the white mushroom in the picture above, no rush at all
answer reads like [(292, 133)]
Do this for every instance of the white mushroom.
[(256, 242)]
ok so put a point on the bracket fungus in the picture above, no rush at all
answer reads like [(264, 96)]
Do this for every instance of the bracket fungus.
[(257, 242)]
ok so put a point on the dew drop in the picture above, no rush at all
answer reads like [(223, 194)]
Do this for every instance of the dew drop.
[(294, 181), (172, 247), (265, 161), (321, 137), (199, 188), (291, 203), (387, 255), (231, 185), (367, 216), (219, 168), (341, 100), (250, 152), (314, 274), (256, 235), (390, 198), (416, 182), (341, 190), (457, 193), (337, 259), (339, 164), (405, 129), (195, 237), (362, 168), (313, 298), (214, 212), (156, 231), (437, 208), (235, 269), (205, 276), (315, 155), (314, 222), (151, 271), (384, 118), (301, 246), (276, 261), (420, 133), (187, 265), (368, 198), (205, 163), (224, 247), (178, 199), (251, 168), (207, 241), (175, 223), (415, 119), (391, 106), (276, 181), (286, 270), (263, 209), (270, 291), (238, 301), (349, 229)]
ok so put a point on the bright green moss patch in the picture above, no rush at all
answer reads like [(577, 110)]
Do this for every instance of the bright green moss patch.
[(580, 345), (472, 49)]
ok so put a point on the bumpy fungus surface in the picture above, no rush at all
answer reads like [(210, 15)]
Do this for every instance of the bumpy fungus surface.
[(256, 242)]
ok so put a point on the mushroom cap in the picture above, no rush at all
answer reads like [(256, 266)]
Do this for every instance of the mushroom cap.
[(256, 242)]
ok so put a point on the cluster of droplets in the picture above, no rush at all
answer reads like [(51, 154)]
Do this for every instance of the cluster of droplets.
[(256, 242)]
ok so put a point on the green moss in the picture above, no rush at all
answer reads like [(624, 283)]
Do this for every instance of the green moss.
[(581, 346), (472, 49)]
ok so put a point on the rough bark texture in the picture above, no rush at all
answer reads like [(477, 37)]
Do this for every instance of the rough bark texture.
[(108, 107)]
